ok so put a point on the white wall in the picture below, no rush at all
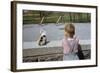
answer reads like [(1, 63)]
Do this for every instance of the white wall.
[(5, 37)]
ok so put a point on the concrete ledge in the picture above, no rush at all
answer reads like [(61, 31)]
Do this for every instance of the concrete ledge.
[(54, 47)]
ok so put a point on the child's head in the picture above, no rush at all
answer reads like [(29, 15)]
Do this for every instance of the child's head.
[(69, 30)]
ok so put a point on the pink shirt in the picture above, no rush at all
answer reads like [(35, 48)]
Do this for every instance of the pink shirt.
[(70, 44)]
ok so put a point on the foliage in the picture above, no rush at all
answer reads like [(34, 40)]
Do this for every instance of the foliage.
[(34, 17)]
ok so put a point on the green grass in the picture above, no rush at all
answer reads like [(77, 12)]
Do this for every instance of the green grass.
[(34, 17)]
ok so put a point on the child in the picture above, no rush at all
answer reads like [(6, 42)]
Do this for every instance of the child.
[(70, 43)]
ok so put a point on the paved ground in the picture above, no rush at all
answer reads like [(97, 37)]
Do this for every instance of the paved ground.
[(55, 31)]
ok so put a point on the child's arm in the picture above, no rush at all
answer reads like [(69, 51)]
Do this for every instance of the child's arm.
[(76, 44), (65, 46)]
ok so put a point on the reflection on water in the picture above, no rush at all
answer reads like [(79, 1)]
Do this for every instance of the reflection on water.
[(55, 32)]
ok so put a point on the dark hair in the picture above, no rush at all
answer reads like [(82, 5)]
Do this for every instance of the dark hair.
[(41, 40), (42, 37)]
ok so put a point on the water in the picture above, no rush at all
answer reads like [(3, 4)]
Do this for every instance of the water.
[(55, 31)]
